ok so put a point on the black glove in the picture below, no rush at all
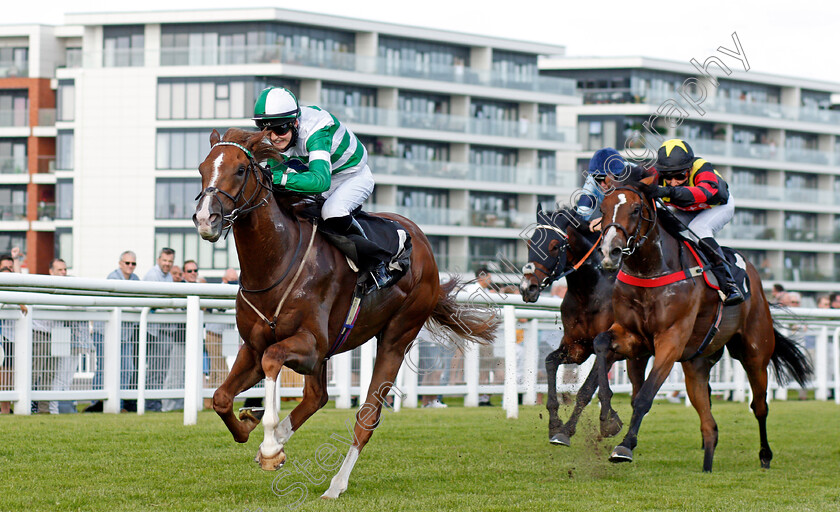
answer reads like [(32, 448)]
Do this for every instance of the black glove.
[(663, 191)]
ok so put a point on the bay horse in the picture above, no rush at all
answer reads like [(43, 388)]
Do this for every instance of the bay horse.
[(563, 246), (673, 322), (295, 292)]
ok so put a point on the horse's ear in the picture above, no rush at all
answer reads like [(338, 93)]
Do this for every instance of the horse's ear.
[(215, 137), (539, 208)]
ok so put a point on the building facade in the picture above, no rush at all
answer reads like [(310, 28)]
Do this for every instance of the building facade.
[(464, 136), (775, 139)]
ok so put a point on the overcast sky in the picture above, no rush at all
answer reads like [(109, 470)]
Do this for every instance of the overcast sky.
[(798, 38)]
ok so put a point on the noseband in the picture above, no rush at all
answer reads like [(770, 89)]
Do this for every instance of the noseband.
[(259, 171), (634, 241)]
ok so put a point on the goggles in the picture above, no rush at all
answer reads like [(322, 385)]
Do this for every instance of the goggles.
[(279, 129)]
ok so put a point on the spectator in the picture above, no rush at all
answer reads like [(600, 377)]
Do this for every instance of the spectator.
[(791, 299), (834, 297), (191, 272), (126, 266), (177, 274), (7, 264), (776, 294), (558, 290), (17, 259), (213, 344), (823, 302), (161, 337)]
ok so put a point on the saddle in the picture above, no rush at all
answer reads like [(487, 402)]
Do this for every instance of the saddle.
[(392, 240)]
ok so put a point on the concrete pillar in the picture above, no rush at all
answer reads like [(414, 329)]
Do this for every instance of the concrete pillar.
[(310, 92)]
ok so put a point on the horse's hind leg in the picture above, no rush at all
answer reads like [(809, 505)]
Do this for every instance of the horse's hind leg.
[(389, 357), (244, 374), (755, 363), (697, 386)]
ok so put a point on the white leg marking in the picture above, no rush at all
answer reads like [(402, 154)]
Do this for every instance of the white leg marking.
[(621, 200), (339, 482), (284, 432), (270, 447)]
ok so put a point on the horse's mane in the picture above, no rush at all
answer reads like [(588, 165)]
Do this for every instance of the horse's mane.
[(254, 141)]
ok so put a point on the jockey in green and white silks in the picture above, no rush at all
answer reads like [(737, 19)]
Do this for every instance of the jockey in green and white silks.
[(322, 156)]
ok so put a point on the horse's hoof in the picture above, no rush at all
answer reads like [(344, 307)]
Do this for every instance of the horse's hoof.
[(330, 494), (252, 413), (621, 454), (560, 439), (765, 464), (612, 426), (272, 463)]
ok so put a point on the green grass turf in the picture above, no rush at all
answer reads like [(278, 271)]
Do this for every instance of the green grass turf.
[(440, 459)]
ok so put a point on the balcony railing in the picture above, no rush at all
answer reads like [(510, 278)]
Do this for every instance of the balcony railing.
[(13, 165), (784, 194), (445, 122), (454, 217), (14, 211), (14, 117), (261, 54), (46, 117), (763, 152), (9, 69), (473, 172), (46, 164), (46, 211), (746, 232), (752, 108)]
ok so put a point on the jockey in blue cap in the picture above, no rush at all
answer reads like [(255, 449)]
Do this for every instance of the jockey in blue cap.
[(605, 162)]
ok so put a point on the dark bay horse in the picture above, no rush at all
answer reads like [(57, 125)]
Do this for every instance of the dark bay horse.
[(295, 293), (562, 245), (672, 321)]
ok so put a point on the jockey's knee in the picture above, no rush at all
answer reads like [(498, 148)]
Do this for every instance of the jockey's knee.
[(339, 224)]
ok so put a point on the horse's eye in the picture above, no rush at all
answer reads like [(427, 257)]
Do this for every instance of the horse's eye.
[(241, 170), (636, 209)]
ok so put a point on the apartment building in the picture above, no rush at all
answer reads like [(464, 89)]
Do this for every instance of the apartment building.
[(775, 139), (465, 137)]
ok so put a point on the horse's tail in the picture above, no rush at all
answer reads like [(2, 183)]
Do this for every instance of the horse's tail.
[(790, 361), (468, 322)]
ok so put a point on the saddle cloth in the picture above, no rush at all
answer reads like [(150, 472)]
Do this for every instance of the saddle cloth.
[(387, 234)]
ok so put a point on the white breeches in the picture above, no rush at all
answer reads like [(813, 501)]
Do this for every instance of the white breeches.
[(706, 223), (348, 190)]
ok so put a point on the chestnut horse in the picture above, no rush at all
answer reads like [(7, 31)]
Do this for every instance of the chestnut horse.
[(295, 293), (673, 321), (562, 245)]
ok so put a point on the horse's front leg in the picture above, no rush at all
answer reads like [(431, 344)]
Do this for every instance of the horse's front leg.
[(668, 351), (244, 374), (605, 356), (271, 455)]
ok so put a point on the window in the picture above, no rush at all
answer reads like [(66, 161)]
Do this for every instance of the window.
[(221, 98), (440, 250), (123, 46), (64, 150), (493, 209), (423, 151), (492, 252), (513, 66), (801, 227), (13, 156), (182, 149), (13, 202), (349, 103), (422, 58), (14, 62), (240, 43), (548, 203), (73, 57), (64, 245), (66, 100), (189, 246), (175, 198), (14, 108), (425, 205), (801, 266), (64, 199), (9, 239)]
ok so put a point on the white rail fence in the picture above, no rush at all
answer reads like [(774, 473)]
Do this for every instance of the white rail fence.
[(91, 339)]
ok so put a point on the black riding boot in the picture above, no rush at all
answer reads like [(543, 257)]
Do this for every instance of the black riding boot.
[(721, 270), (372, 259)]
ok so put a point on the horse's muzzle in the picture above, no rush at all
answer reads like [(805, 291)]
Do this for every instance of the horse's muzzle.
[(207, 221), (529, 289)]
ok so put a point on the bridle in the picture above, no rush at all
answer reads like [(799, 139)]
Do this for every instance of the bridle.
[(261, 173), (555, 272), (634, 241)]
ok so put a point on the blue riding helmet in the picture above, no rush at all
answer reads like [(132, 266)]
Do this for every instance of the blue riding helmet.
[(606, 161)]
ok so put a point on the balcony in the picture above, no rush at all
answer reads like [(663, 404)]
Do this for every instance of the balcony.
[(14, 117), (10, 69), (46, 164), (13, 165), (712, 147), (746, 232), (46, 211), (449, 123), (46, 117), (431, 216), (343, 61), (473, 172), (785, 194), (14, 211)]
